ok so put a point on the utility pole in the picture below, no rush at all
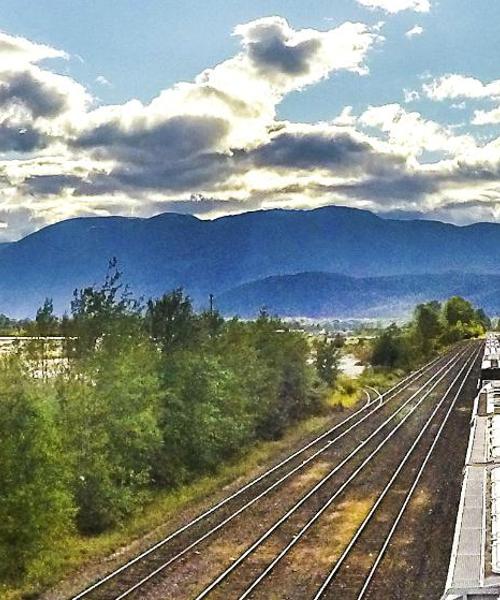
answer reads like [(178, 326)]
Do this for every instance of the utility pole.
[(211, 299)]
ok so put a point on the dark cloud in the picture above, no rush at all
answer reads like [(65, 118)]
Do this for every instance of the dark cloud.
[(26, 90), (404, 187), (170, 158), (305, 151), (51, 184), (269, 50), (16, 139), (178, 137), (173, 155), (466, 171), (187, 175), (316, 150)]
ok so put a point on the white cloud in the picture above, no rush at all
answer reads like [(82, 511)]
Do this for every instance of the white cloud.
[(414, 134), (414, 32), (245, 90), (346, 118), (35, 103), (411, 95), (454, 86), (395, 6), (101, 80), (15, 51), (218, 137), (486, 117)]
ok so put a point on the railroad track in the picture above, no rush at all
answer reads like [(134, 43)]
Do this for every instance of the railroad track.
[(346, 441), (376, 531), (238, 579)]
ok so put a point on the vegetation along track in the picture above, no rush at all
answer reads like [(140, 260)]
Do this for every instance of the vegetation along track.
[(181, 558)]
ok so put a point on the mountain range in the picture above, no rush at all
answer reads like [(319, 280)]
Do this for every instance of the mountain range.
[(331, 261)]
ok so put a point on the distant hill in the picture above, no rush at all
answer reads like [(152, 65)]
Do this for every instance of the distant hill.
[(172, 250), (327, 294)]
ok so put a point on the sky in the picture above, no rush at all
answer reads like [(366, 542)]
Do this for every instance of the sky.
[(210, 108)]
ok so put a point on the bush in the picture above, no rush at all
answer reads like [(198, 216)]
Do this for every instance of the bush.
[(35, 500)]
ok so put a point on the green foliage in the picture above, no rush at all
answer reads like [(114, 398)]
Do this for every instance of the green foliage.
[(97, 312), (458, 310), (289, 393), (429, 325), (433, 327), (140, 400), (205, 418), (35, 503), (46, 323), (109, 411), (393, 349), (482, 318), (171, 321), (327, 360)]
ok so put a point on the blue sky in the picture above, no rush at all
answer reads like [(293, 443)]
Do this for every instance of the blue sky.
[(143, 47), (413, 127)]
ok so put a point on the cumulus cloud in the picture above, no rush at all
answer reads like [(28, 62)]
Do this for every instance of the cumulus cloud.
[(193, 133), (37, 93), (411, 95), (291, 59), (486, 117), (336, 150), (35, 103), (215, 145), (19, 139), (20, 51), (414, 134), (462, 87), (101, 80), (395, 6), (414, 32), (243, 91), (455, 86)]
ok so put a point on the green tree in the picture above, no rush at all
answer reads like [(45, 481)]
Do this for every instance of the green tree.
[(46, 323), (457, 309), (171, 320), (482, 318), (98, 311), (428, 325), (40, 348), (290, 393), (393, 348), (205, 419), (109, 409), (35, 501), (327, 360)]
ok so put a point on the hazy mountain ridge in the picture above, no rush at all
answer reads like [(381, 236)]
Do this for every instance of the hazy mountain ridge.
[(327, 294), (171, 250)]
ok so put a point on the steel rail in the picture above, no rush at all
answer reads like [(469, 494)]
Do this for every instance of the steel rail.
[(331, 575), (253, 547), (126, 566), (408, 498), (276, 484), (326, 505)]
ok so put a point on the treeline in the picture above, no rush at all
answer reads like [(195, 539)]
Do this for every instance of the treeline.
[(139, 398), (434, 326)]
